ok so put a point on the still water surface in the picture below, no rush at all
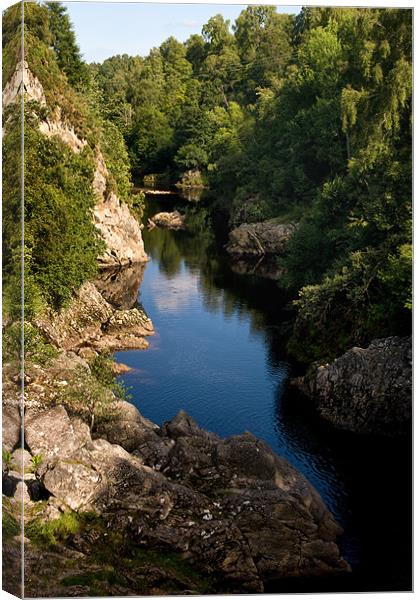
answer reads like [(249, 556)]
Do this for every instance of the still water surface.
[(219, 353)]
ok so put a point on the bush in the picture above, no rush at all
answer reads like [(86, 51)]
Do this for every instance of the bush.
[(86, 397), (62, 243), (37, 349)]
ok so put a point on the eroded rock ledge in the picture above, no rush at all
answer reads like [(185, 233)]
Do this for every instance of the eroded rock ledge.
[(366, 390), (93, 322)]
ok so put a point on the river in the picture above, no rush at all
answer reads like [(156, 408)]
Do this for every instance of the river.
[(220, 354)]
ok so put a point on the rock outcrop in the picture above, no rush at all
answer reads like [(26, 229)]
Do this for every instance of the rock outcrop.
[(92, 321), (117, 226), (55, 126), (171, 220), (365, 390), (229, 507), (258, 239), (24, 81), (11, 406)]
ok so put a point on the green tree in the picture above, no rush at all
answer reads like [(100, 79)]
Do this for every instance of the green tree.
[(65, 46)]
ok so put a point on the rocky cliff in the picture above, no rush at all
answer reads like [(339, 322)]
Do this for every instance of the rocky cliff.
[(366, 390), (119, 229)]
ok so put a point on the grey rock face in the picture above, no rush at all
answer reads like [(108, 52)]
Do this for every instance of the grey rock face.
[(365, 390), (258, 239), (52, 434), (132, 431), (22, 79), (229, 507)]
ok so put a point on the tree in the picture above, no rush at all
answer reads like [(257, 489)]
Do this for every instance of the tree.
[(65, 46)]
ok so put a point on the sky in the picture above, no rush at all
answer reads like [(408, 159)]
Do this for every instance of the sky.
[(104, 29)]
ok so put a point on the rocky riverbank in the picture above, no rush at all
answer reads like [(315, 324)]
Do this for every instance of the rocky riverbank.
[(193, 512), (92, 322), (231, 515), (366, 390)]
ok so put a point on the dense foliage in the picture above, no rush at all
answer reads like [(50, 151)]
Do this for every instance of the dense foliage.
[(61, 243), (182, 107), (305, 119)]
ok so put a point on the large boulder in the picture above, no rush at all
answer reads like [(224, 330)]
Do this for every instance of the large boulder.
[(170, 220), (258, 239), (366, 390), (134, 433), (11, 426), (52, 435)]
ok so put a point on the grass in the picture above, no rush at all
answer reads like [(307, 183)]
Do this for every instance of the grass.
[(10, 526), (95, 580), (49, 533), (122, 561)]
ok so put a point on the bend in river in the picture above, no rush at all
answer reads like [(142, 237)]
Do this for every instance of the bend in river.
[(219, 353)]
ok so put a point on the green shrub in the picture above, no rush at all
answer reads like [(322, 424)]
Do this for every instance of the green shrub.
[(102, 370), (7, 458), (87, 398), (62, 243), (36, 461), (37, 349)]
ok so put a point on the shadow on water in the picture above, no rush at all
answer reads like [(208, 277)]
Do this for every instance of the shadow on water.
[(219, 353)]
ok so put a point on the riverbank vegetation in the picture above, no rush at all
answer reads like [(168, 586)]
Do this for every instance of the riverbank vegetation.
[(303, 118)]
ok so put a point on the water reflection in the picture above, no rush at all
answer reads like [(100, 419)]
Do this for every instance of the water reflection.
[(191, 194), (179, 293), (219, 353), (119, 286)]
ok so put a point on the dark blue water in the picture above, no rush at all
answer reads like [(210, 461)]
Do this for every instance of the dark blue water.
[(219, 353)]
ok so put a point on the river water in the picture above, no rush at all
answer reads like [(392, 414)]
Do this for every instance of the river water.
[(219, 353)]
